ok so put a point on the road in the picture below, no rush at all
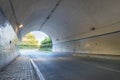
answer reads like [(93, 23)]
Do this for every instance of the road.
[(64, 66)]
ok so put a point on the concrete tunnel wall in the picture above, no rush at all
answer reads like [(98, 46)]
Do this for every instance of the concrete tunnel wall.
[(8, 42), (102, 44)]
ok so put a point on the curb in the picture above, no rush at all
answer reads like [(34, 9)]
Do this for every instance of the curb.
[(37, 71)]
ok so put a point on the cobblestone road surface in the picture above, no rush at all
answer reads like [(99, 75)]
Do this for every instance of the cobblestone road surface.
[(20, 69)]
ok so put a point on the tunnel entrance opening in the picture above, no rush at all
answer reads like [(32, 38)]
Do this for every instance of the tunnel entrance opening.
[(36, 40)]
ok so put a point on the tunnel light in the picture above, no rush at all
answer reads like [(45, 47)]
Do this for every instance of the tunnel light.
[(20, 25)]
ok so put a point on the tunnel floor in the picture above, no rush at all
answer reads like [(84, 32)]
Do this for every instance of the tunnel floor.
[(19, 69), (63, 66)]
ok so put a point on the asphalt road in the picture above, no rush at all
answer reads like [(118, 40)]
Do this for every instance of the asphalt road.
[(64, 66)]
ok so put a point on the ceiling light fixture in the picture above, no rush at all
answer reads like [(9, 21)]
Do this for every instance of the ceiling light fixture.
[(20, 25)]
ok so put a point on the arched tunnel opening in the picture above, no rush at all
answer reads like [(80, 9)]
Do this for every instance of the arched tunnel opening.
[(36, 40), (84, 39)]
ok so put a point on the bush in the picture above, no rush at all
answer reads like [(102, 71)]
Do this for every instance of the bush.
[(46, 44)]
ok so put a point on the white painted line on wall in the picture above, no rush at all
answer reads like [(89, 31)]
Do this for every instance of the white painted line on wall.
[(38, 73)]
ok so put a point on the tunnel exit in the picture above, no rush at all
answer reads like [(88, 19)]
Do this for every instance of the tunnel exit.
[(36, 40)]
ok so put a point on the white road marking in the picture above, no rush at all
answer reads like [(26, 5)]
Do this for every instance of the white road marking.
[(109, 69), (39, 74)]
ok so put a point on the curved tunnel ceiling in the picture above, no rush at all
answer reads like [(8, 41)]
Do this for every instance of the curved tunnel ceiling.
[(71, 19)]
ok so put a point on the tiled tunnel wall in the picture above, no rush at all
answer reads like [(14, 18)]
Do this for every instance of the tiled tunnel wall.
[(103, 44), (8, 41)]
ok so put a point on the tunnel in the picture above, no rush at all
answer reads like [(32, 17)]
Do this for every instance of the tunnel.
[(75, 26)]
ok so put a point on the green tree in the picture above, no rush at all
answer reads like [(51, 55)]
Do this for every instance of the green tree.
[(46, 44), (29, 41)]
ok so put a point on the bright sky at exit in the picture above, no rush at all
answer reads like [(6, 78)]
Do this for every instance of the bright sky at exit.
[(39, 35)]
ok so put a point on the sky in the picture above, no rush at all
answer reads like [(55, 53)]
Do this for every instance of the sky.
[(39, 35)]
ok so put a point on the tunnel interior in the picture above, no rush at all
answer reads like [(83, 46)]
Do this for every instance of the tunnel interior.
[(78, 26)]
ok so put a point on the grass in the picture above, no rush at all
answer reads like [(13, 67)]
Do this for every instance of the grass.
[(46, 49)]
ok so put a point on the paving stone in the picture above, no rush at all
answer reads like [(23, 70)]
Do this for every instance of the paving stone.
[(19, 69)]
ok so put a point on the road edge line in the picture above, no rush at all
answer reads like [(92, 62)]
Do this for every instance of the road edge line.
[(37, 71), (109, 69)]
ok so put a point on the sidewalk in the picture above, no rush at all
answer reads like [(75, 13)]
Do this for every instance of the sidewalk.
[(20, 69)]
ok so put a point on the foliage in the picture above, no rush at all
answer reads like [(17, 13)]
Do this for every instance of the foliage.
[(29, 41), (46, 44), (46, 49)]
